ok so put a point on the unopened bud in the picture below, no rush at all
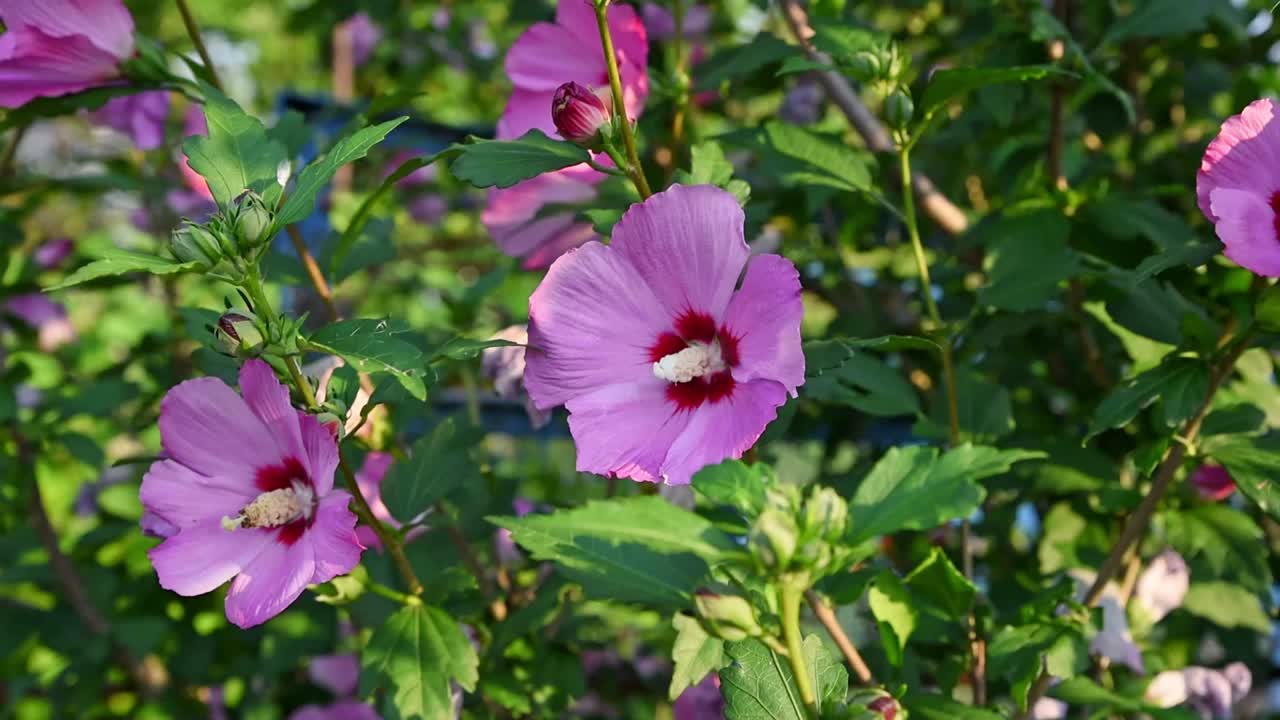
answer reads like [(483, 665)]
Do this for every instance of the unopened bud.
[(238, 332), (898, 109), (728, 617), (253, 221), (825, 515), (773, 538), (580, 114), (193, 243), (865, 65), (885, 705), (881, 705)]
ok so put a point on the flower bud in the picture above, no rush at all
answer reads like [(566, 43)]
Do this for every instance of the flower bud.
[(877, 702), (773, 538), (238, 332), (898, 109), (865, 65), (1213, 482), (728, 617), (826, 514), (193, 243), (253, 221), (580, 114), (886, 706)]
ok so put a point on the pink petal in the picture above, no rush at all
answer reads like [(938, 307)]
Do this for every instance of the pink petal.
[(141, 116), (547, 54), (338, 674), (1244, 156), (341, 710), (543, 240), (1113, 640), (206, 426), (333, 538), (269, 400), (271, 582), (106, 23), (183, 497), (630, 41), (369, 480), (527, 110), (1247, 228), (722, 430), (764, 315), (625, 430), (204, 556), (34, 64), (687, 244), (321, 446), (591, 324), (520, 203)]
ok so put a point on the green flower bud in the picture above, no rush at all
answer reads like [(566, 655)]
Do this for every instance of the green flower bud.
[(252, 222), (193, 243), (898, 109), (826, 515), (865, 65), (238, 332), (728, 617), (773, 538)]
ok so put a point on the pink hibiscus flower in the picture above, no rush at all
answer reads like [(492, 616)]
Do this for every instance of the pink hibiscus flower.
[(664, 366), (1213, 482), (700, 702), (56, 47), (246, 492), (141, 116), (194, 124), (545, 57), (1238, 187)]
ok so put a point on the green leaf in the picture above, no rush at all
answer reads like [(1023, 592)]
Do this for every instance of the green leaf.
[(237, 155), (117, 262), (347, 241), (709, 166), (759, 685), (1083, 692), (1029, 262), (372, 346), (1159, 18), (813, 159), (641, 549), (913, 488), (1226, 539), (1151, 309), (924, 706), (895, 614), (1184, 379), (937, 582), (1227, 605), (734, 62), (949, 84), (315, 176), (823, 355), (736, 484), (695, 654), (1019, 654), (419, 650), (860, 381), (439, 463), (461, 348), (503, 163), (1255, 469)]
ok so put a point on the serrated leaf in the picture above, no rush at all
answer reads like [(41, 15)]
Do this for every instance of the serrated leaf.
[(372, 346), (1159, 18), (1029, 262), (913, 488), (895, 613), (946, 85), (923, 706), (823, 355), (1254, 468), (315, 176), (937, 582), (1227, 541), (695, 654), (734, 483), (1187, 377), (237, 154), (759, 685), (1227, 605), (734, 62), (118, 262), (864, 382), (813, 159), (438, 463), (418, 651), (503, 163), (1020, 653)]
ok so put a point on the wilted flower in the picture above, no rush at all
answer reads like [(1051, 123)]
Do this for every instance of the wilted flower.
[(1239, 191), (505, 366), (1213, 482), (1211, 693), (246, 492), (579, 113), (141, 116), (664, 366), (1163, 585), (56, 47), (700, 702)]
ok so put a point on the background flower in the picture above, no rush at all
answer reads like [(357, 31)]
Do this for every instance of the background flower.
[(56, 47)]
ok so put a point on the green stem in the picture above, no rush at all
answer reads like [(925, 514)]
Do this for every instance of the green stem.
[(791, 597), (391, 541), (193, 30), (391, 594), (681, 51), (619, 107)]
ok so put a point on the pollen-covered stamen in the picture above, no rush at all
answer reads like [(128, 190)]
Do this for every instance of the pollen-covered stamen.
[(697, 360), (275, 508)]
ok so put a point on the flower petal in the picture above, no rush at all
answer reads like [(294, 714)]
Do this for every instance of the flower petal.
[(206, 426), (686, 243), (34, 64), (106, 23), (182, 497), (1244, 156), (548, 54), (1247, 228), (591, 324), (722, 430), (204, 556), (625, 430), (320, 445), (269, 400), (630, 42), (338, 674), (764, 315), (333, 538), (270, 583), (527, 110)]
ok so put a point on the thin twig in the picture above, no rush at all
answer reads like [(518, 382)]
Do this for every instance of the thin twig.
[(936, 205), (193, 30), (827, 617), (314, 274)]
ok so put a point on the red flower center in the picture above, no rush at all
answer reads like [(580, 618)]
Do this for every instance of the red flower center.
[(283, 477), (1275, 206), (698, 327)]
